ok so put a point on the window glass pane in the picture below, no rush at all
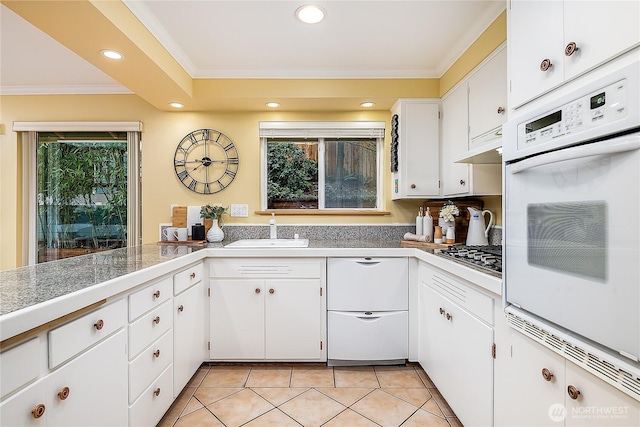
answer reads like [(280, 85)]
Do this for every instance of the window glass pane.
[(350, 173), (292, 174), (81, 193)]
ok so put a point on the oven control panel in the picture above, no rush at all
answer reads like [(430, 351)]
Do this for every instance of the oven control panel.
[(598, 108)]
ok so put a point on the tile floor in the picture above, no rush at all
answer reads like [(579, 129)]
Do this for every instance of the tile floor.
[(285, 395)]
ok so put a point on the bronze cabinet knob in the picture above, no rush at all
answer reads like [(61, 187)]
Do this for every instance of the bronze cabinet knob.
[(257, 290), (99, 324), (271, 291), (180, 308), (156, 294), (570, 49), (501, 110), (156, 353), (38, 411), (63, 393), (156, 320), (193, 275), (413, 186), (449, 316), (545, 64), (547, 374), (157, 391), (441, 310), (573, 392)]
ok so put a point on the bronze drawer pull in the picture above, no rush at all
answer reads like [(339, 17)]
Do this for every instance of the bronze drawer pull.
[(547, 374), (156, 294), (99, 324), (573, 392), (180, 308), (157, 391), (571, 49), (38, 411), (156, 320), (156, 353), (545, 64), (63, 393), (193, 275)]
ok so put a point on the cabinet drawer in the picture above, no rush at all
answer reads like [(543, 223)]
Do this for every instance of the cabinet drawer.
[(154, 401), (358, 336), (149, 364), (149, 328), (266, 268), (77, 335), (149, 297), (29, 356), (186, 278), (367, 284), (477, 303)]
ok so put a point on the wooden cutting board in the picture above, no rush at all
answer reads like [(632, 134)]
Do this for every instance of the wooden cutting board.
[(179, 217)]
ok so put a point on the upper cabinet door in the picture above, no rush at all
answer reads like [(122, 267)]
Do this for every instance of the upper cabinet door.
[(455, 140), (534, 34), (488, 96), (600, 30)]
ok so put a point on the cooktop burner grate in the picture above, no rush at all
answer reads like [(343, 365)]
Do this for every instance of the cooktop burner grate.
[(488, 258)]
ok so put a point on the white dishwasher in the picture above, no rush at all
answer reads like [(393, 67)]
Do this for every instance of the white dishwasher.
[(368, 317)]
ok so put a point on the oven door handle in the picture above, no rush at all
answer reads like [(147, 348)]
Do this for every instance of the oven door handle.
[(618, 145)]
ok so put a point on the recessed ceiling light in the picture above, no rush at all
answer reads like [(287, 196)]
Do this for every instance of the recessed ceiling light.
[(368, 104), (310, 14), (112, 54), (176, 104), (272, 104)]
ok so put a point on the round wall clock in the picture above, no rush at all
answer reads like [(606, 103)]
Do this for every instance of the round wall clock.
[(206, 161)]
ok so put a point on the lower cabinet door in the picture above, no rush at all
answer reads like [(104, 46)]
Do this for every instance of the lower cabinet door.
[(368, 335), (91, 390), (153, 402), (26, 408), (458, 357), (237, 319), (189, 340), (294, 315)]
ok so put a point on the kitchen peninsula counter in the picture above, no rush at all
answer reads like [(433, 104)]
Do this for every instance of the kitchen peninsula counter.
[(35, 295)]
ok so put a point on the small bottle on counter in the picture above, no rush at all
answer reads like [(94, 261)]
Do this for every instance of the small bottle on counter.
[(437, 234), (273, 231), (427, 226), (419, 222)]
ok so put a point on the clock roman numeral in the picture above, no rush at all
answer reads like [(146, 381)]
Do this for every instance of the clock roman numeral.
[(193, 184), (233, 160), (178, 163), (229, 146), (193, 139), (231, 173), (207, 189), (183, 175)]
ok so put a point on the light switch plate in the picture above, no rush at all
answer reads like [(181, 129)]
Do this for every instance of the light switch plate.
[(239, 210)]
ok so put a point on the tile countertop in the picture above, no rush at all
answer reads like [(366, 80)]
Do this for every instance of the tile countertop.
[(32, 296)]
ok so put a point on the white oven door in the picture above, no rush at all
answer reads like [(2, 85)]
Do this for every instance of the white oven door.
[(572, 233)]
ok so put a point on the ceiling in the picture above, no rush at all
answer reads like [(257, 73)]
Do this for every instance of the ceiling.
[(197, 51)]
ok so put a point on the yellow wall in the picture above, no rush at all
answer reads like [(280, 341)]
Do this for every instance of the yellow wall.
[(163, 131)]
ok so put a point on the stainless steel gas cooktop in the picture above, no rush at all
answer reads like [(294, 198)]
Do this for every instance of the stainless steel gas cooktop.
[(485, 258)]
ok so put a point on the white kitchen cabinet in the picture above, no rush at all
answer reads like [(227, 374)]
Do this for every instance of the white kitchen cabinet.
[(457, 345), (544, 30), (417, 149), (488, 96), (89, 390), (189, 334), (533, 389), (455, 140), (268, 309)]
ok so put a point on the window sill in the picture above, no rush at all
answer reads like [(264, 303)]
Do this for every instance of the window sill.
[(334, 212)]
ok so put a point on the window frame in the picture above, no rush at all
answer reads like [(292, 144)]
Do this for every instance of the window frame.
[(319, 131)]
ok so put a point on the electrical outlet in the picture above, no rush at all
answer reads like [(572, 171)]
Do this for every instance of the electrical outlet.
[(239, 210)]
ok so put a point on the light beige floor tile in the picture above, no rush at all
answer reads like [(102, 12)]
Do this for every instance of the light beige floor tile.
[(400, 378), (277, 396), (346, 396), (433, 407), (193, 405), (312, 408), (240, 408), (275, 418), (200, 418), (363, 377), (415, 396), (226, 376), (208, 395), (179, 404), (383, 408), (312, 377), (197, 378), (269, 377), (425, 419), (348, 418)]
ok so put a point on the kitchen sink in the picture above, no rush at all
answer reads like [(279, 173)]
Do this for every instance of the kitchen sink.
[(269, 243)]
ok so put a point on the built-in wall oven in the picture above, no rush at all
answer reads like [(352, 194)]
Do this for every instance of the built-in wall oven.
[(572, 210)]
